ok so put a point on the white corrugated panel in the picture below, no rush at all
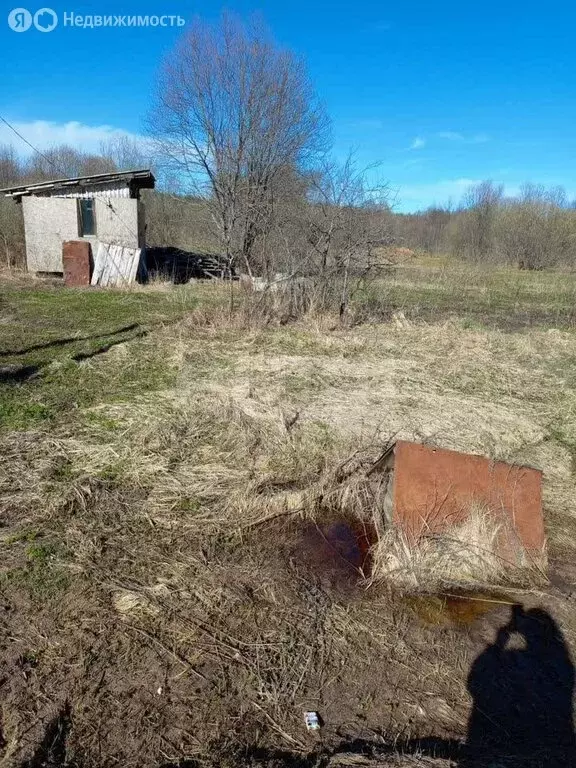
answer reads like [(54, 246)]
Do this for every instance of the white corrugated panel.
[(115, 265), (101, 190)]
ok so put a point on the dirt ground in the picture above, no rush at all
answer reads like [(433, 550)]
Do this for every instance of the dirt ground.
[(170, 591)]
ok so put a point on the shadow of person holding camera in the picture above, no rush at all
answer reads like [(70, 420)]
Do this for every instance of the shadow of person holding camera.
[(522, 689)]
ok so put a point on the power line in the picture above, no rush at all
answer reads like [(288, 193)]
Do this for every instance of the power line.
[(62, 171), (48, 159)]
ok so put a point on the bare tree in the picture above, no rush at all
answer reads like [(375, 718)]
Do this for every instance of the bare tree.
[(331, 230), (11, 223), (233, 111), (348, 217), (348, 223), (64, 161), (474, 236), (537, 229), (10, 166), (126, 153)]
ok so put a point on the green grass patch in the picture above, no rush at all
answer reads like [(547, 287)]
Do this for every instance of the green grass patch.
[(68, 386), (59, 349), (41, 325), (482, 297), (43, 575)]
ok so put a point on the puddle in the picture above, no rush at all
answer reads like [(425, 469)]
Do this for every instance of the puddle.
[(336, 553), (457, 609)]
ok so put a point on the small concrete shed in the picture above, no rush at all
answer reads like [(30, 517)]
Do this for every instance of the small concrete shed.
[(103, 208)]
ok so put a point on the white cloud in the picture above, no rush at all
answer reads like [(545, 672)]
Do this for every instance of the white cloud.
[(418, 143), (44, 134), (450, 136), (477, 138)]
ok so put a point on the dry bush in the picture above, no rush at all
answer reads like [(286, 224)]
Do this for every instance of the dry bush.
[(534, 230), (279, 303), (467, 555), (537, 230), (317, 301), (300, 297)]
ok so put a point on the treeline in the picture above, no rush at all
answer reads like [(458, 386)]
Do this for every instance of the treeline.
[(533, 230), (317, 215), (242, 146)]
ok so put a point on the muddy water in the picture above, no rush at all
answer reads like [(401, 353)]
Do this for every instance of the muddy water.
[(460, 609), (336, 553)]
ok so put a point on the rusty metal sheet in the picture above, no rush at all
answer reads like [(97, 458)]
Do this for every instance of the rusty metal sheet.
[(435, 488), (76, 261)]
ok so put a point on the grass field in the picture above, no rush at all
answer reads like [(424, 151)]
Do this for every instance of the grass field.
[(46, 334), (165, 470)]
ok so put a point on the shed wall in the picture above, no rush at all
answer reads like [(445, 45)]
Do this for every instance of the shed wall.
[(49, 221), (117, 221)]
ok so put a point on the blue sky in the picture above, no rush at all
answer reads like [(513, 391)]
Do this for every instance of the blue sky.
[(442, 94)]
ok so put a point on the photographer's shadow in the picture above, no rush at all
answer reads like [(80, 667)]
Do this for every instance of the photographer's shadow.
[(522, 687)]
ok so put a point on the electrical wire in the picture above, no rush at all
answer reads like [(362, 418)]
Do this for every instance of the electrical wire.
[(61, 171)]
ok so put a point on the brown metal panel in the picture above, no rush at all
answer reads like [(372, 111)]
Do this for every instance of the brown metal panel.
[(76, 260), (435, 488)]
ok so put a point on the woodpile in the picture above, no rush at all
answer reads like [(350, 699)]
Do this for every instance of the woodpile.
[(180, 266)]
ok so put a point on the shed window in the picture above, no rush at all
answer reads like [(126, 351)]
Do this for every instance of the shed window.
[(87, 217)]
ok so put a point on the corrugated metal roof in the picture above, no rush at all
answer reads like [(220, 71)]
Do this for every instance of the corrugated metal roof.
[(102, 190), (139, 179)]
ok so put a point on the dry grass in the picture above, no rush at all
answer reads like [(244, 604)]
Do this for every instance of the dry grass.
[(161, 542), (185, 519), (466, 556)]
